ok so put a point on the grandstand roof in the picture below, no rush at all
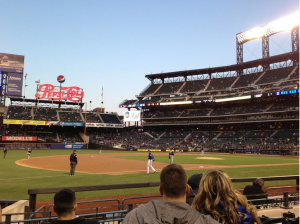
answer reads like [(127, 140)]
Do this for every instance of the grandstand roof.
[(235, 67)]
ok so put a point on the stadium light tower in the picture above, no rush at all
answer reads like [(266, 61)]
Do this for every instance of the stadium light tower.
[(287, 23)]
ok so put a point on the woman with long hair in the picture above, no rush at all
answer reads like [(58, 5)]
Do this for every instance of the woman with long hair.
[(222, 202)]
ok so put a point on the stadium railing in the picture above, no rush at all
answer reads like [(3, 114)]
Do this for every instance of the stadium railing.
[(33, 192), (129, 203)]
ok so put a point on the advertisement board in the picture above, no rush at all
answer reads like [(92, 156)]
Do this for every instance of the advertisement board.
[(11, 63), (14, 84), (103, 125), (67, 146), (56, 93), (132, 116), (24, 122), (66, 124), (20, 138)]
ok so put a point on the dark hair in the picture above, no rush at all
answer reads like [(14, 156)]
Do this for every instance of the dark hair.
[(64, 202), (259, 182), (173, 180), (194, 180)]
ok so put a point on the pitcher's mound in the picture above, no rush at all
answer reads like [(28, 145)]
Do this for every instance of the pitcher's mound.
[(210, 158)]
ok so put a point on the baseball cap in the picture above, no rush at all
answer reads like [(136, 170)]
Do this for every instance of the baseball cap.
[(194, 180)]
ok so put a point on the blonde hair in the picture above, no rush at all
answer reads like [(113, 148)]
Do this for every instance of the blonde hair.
[(215, 187)]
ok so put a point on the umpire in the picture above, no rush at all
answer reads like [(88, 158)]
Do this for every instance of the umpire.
[(73, 163)]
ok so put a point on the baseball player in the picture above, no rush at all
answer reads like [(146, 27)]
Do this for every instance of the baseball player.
[(4, 152), (171, 156), (73, 163), (28, 152), (150, 159), (202, 152)]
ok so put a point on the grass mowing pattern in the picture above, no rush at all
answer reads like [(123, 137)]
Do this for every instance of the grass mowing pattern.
[(15, 180), (225, 159)]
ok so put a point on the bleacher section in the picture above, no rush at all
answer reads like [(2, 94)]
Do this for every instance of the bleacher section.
[(169, 88), (92, 117), (275, 75), (69, 137), (220, 83), (194, 86), (45, 114), (246, 80), (195, 113), (70, 116), (151, 89), (110, 118), (19, 113)]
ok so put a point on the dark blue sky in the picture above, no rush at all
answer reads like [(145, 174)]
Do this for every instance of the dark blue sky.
[(114, 44)]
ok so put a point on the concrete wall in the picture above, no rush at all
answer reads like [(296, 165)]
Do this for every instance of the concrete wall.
[(18, 207)]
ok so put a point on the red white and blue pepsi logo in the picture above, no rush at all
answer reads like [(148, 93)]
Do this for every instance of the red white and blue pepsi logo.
[(61, 79)]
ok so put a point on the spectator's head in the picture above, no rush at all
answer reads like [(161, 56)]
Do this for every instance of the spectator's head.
[(173, 183), (258, 182), (194, 182), (65, 204), (220, 200)]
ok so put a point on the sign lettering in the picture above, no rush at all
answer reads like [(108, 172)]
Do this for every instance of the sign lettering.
[(48, 91)]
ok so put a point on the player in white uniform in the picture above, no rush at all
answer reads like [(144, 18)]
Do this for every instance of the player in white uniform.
[(150, 159)]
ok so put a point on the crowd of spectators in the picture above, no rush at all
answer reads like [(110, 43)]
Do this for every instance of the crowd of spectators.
[(195, 113), (220, 83), (92, 117), (246, 80), (70, 116), (171, 113), (194, 86), (110, 118), (179, 203), (69, 137), (19, 113), (45, 114), (169, 87), (274, 75)]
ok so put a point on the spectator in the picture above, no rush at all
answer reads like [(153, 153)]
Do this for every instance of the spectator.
[(256, 188), (221, 201), (172, 208), (194, 182), (65, 207)]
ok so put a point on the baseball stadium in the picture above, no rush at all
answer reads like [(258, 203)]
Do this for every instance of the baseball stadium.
[(241, 119)]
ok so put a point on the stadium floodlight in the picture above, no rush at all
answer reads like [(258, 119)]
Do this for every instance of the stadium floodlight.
[(176, 103), (284, 24), (233, 98)]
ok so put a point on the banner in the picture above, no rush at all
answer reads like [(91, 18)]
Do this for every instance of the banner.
[(11, 63), (67, 146), (77, 124), (23, 122), (19, 138), (104, 125), (14, 84), (146, 150)]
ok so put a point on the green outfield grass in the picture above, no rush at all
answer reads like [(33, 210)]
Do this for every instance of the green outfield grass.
[(16, 180), (226, 159)]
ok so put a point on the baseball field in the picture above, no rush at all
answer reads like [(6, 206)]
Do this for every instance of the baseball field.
[(50, 168)]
